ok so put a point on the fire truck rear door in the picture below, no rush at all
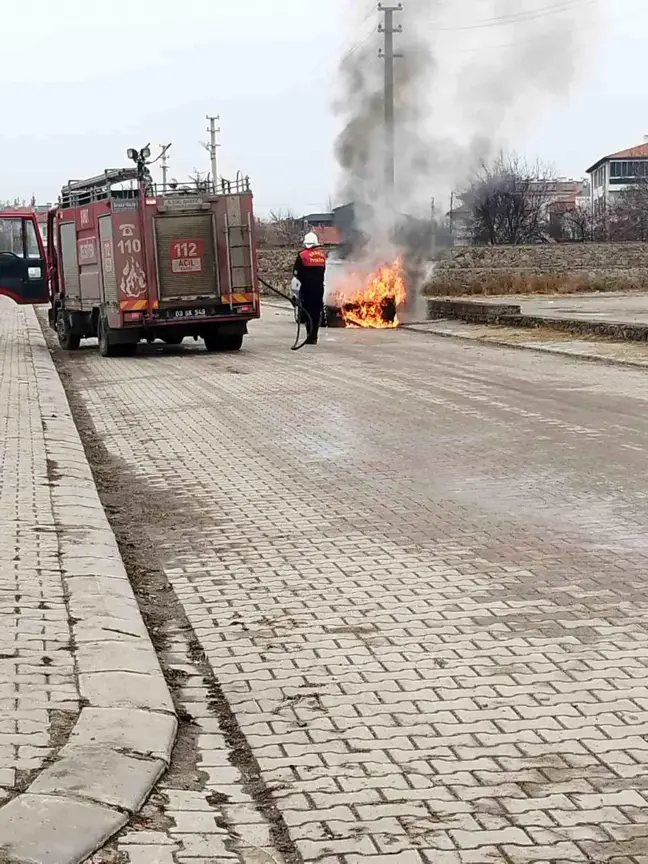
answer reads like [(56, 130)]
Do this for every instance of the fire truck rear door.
[(186, 256), (23, 268)]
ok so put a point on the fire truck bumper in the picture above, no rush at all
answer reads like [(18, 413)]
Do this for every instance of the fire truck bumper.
[(203, 314)]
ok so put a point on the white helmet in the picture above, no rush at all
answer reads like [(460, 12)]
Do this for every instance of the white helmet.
[(311, 239)]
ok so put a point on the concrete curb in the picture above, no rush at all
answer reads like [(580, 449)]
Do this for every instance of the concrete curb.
[(124, 736), (508, 315), (429, 330)]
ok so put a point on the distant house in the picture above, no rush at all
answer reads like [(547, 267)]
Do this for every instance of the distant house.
[(317, 220), (346, 223), (41, 211), (349, 218), (611, 174), (329, 235), (323, 224), (560, 196), (565, 196)]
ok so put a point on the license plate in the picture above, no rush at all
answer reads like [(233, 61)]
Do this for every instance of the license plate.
[(201, 312), (182, 314), (175, 314)]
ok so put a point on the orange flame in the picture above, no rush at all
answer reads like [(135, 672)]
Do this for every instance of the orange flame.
[(378, 295)]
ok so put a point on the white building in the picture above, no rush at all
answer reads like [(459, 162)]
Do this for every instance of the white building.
[(611, 174)]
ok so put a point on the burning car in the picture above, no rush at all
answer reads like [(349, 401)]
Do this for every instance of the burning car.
[(359, 295)]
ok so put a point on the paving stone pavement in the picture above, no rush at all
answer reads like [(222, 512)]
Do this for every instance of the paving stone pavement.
[(86, 719), (418, 571), (38, 689)]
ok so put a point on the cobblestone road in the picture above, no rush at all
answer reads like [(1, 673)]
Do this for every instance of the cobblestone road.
[(38, 690), (418, 571)]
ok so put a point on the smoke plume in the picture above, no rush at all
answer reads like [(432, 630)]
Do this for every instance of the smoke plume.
[(473, 75)]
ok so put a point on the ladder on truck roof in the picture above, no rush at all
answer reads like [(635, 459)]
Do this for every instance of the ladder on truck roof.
[(80, 192)]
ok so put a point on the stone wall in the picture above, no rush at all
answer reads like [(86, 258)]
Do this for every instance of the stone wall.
[(276, 266), (552, 268)]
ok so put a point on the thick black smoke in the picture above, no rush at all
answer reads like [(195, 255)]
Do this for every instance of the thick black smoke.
[(472, 77)]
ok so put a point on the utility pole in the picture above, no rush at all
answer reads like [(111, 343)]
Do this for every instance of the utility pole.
[(433, 228), (165, 165), (212, 148), (388, 30), (452, 199)]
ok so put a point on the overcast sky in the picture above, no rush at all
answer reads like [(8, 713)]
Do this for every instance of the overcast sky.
[(82, 82)]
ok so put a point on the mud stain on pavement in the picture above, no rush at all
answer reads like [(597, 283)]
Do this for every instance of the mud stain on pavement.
[(53, 473)]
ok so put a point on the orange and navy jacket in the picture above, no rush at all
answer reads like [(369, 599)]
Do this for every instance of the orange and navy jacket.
[(310, 267)]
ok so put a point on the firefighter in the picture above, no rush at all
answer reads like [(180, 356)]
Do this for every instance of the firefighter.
[(309, 270)]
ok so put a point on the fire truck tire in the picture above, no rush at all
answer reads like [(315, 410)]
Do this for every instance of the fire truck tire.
[(107, 348), (232, 342), (172, 338), (67, 340), (127, 349), (223, 342)]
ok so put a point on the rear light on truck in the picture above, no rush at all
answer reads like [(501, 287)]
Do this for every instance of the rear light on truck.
[(133, 317)]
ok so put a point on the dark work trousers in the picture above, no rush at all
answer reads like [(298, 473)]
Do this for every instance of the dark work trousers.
[(312, 301)]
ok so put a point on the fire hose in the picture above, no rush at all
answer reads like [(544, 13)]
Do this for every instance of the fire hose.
[(296, 304)]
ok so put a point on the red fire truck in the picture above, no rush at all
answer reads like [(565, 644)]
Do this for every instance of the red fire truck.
[(130, 261)]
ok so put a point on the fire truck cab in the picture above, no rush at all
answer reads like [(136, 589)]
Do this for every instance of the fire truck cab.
[(131, 261), (23, 265)]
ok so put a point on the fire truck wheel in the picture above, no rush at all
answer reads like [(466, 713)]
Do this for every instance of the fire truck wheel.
[(67, 340), (232, 342), (225, 342), (128, 349), (172, 338), (107, 348)]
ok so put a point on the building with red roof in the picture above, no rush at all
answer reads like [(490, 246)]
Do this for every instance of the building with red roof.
[(613, 173)]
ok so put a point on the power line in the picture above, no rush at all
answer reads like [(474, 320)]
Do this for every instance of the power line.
[(358, 45), (315, 72), (492, 47), (351, 51), (522, 17), (502, 46), (341, 53)]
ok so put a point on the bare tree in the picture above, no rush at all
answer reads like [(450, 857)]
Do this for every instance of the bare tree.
[(629, 212), (282, 228), (579, 223), (200, 180), (601, 220), (507, 202)]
